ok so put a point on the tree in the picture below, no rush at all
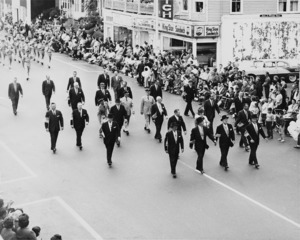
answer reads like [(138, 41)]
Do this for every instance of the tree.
[(91, 7)]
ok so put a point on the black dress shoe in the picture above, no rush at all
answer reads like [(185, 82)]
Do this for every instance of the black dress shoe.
[(221, 164), (54, 150), (160, 140), (251, 163), (80, 148), (186, 115), (148, 130), (226, 168), (202, 172), (118, 144), (257, 166), (174, 176), (145, 128), (109, 164)]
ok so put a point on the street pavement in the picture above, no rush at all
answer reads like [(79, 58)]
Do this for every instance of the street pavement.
[(75, 194)]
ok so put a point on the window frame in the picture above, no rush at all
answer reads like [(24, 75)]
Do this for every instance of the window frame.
[(204, 6), (288, 7), (241, 8)]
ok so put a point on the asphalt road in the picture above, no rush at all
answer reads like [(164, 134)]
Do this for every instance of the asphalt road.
[(74, 193)]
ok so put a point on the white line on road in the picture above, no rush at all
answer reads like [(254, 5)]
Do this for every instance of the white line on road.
[(70, 210), (32, 174), (16, 180), (246, 197), (73, 65)]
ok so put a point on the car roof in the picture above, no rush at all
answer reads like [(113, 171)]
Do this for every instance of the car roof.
[(271, 60)]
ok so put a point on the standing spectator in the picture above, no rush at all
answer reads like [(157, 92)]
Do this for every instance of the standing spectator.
[(158, 111), (210, 107), (7, 232), (267, 84), (53, 124), (146, 104), (23, 232), (280, 125), (14, 91), (189, 95), (226, 135), (173, 143), (104, 78), (73, 80), (270, 120), (111, 135), (254, 129), (80, 118), (76, 96), (48, 88), (198, 140)]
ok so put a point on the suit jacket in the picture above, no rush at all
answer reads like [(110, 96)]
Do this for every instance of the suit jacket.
[(252, 135), (155, 91), (55, 122), (119, 115), (190, 93), (76, 98), (140, 68), (238, 104), (156, 114), (171, 145), (180, 123), (79, 121), (104, 78), (116, 82), (146, 104), (100, 95), (243, 120), (209, 109), (225, 140), (48, 88), (199, 142), (12, 93), (123, 90), (71, 83), (110, 136)]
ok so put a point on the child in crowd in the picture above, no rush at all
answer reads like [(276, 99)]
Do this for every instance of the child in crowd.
[(280, 125), (270, 120)]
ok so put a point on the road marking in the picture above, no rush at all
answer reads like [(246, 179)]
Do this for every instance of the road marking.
[(245, 197), (70, 210), (16, 180), (32, 174), (73, 65)]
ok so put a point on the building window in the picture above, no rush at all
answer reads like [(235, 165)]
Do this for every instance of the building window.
[(199, 7), (236, 6), (82, 5), (184, 5), (176, 43), (288, 6)]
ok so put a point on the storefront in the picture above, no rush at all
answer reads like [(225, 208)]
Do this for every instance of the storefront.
[(144, 31), (266, 36)]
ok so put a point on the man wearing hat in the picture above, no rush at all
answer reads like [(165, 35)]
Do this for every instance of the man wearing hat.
[(253, 130), (73, 80), (111, 135), (189, 95), (226, 135), (146, 105), (119, 114), (127, 102), (103, 94), (177, 118), (173, 142), (198, 139), (104, 78)]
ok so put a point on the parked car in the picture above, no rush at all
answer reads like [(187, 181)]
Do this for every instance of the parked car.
[(281, 68)]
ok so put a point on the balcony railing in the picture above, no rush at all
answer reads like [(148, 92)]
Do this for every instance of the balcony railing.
[(133, 7)]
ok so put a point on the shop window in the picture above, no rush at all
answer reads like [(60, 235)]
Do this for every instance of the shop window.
[(288, 6), (236, 6), (282, 5), (199, 6), (294, 5), (184, 5), (176, 43)]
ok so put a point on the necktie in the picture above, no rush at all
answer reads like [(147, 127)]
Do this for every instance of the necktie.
[(256, 129), (76, 91), (246, 114), (175, 136), (15, 85), (54, 113), (109, 125), (226, 129)]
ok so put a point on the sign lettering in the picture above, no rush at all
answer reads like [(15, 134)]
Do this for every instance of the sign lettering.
[(166, 9)]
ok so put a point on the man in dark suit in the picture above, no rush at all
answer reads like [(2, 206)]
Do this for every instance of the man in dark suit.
[(173, 143), (76, 95), (14, 91), (116, 82), (210, 107), (155, 90), (80, 118), (54, 123), (243, 119), (119, 114), (104, 78), (177, 118), (140, 70), (189, 95), (111, 135), (226, 135), (48, 88), (239, 102), (198, 139), (253, 130), (103, 94), (158, 111), (125, 89), (72, 80)]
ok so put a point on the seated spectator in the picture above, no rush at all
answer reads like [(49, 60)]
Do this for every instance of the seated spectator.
[(23, 231), (56, 237), (7, 232)]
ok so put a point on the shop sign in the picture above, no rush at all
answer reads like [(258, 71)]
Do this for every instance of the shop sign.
[(144, 23), (212, 31), (176, 28), (123, 20), (270, 15), (166, 9)]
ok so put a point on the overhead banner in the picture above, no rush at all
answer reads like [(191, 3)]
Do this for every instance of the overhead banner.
[(166, 9)]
